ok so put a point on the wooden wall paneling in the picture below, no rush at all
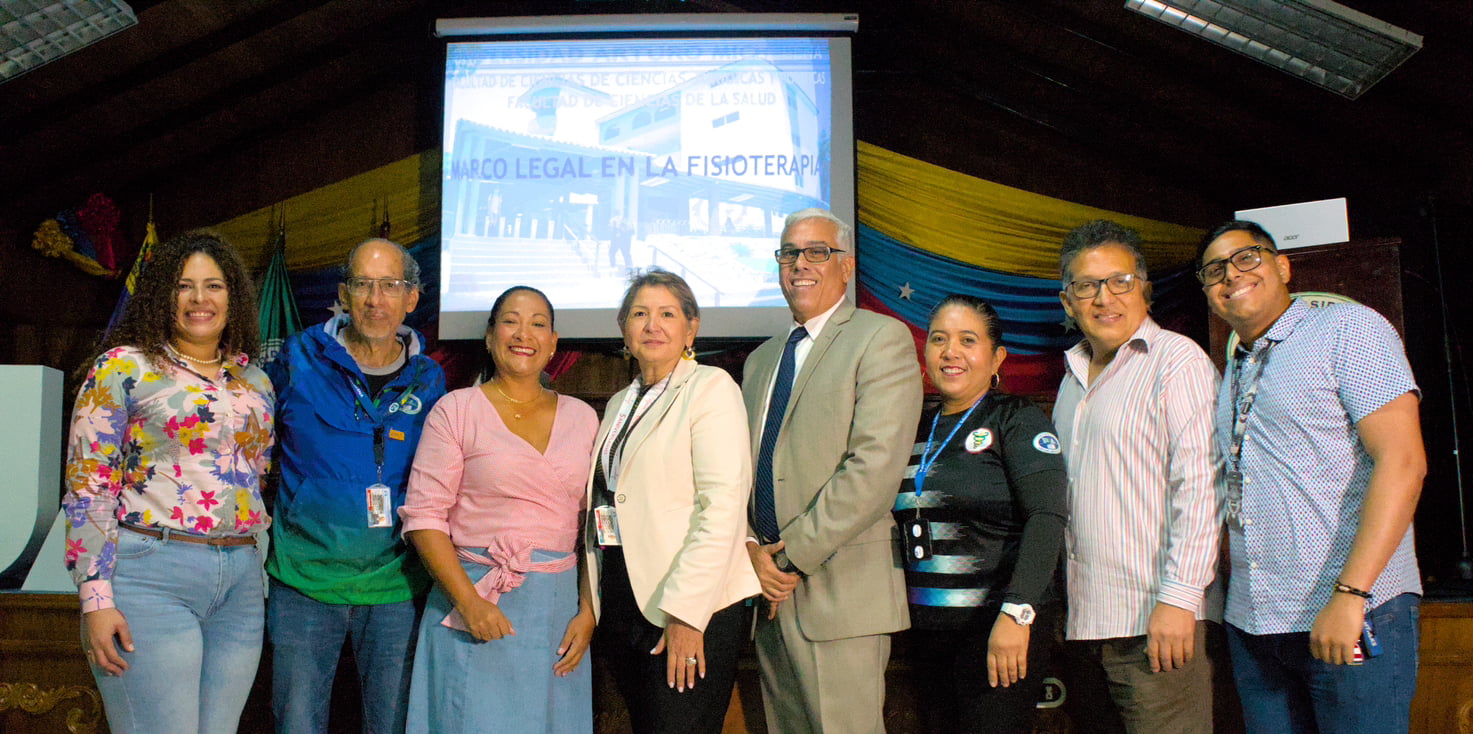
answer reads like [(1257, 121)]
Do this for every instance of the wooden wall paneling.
[(1444, 700), (45, 684)]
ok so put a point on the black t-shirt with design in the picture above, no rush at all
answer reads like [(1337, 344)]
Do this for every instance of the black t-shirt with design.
[(995, 502)]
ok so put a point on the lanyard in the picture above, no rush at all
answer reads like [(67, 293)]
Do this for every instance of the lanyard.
[(1243, 404), (370, 407), (624, 424), (928, 459)]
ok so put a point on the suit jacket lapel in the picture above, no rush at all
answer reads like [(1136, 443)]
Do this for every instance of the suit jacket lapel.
[(821, 345), (683, 371), (760, 379)]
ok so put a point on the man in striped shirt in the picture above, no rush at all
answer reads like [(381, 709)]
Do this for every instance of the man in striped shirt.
[(1134, 414)]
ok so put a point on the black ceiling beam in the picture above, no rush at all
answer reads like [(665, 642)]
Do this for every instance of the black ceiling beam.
[(23, 124), (375, 52), (313, 56)]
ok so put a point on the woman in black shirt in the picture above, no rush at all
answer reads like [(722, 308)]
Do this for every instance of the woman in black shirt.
[(982, 510)]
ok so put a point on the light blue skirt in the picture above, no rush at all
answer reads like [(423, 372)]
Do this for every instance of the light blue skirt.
[(506, 685)]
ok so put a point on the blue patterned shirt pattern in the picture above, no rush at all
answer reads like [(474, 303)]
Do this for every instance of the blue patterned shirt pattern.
[(1305, 470)]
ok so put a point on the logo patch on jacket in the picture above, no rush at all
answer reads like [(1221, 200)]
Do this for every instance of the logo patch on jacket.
[(1047, 442), (978, 440), (409, 405)]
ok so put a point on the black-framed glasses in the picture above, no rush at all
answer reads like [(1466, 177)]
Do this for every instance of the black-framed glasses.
[(1119, 284), (1243, 259), (391, 287), (816, 254)]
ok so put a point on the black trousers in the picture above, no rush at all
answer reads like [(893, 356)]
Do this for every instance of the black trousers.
[(623, 642), (950, 673)]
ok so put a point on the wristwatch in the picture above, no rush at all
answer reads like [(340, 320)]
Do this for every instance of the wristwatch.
[(1021, 613), (780, 559)]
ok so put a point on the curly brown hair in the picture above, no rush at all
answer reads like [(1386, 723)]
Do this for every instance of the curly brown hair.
[(148, 320)]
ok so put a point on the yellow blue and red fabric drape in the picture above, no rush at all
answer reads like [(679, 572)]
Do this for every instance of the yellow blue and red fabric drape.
[(926, 232), (923, 230)]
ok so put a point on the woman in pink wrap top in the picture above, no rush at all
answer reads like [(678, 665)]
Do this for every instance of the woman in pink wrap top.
[(493, 510)]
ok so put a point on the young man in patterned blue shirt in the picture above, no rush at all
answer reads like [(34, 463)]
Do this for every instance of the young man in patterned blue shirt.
[(1317, 420)]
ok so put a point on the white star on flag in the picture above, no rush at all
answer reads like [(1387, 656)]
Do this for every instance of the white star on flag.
[(906, 291)]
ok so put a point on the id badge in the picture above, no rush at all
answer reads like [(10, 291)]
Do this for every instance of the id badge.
[(1234, 504), (606, 519), (917, 539), (1368, 642), (378, 506)]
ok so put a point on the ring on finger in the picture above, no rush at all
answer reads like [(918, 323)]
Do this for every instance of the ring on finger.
[(691, 660)]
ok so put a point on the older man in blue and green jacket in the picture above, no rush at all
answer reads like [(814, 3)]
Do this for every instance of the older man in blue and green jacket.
[(352, 397)]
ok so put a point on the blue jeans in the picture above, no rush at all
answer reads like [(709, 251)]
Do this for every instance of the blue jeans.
[(196, 614), (306, 641), (1284, 689)]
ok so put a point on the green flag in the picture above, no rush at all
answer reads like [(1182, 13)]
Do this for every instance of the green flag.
[(279, 317)]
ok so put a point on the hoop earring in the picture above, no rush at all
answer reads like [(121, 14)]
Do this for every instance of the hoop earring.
[(996, 381), (689, 353)]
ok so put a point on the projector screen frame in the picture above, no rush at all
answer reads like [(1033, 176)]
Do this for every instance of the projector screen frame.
[(653, 23)]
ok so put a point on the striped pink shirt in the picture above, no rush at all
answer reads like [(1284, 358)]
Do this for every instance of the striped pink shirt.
[(1143, 502)]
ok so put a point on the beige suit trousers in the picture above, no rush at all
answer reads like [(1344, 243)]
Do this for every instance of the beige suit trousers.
[(832, 687)]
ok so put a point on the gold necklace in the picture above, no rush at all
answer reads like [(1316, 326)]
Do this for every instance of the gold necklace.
[(497, 384), (200, 362)]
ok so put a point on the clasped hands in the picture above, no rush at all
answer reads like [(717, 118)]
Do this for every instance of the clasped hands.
[(777, 585), (486, 622)]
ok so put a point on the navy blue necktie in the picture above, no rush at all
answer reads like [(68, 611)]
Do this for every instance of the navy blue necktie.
[(782, 387)]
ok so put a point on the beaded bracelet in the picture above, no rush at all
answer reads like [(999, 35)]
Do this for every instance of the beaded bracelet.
[(1344, 588)]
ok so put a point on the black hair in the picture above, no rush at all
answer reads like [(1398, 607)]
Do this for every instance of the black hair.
[(488, 370), (148, 319), (1254, 230), (981, 307), (1099, 233)]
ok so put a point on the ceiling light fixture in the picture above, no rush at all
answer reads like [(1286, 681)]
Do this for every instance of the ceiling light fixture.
[(37, 32), (1320, 41)]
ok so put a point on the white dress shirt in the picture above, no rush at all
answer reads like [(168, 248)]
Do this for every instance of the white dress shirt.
[(1143, 499)]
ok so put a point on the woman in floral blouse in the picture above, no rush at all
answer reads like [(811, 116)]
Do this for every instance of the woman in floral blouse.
[(170, 440)]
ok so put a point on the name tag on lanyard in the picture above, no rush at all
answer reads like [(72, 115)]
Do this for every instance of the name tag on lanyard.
[(1243, 401), (1233, 506), (379, 506), (917, 530), (377, 497), (917, 538), (606, 521), (606, 517)]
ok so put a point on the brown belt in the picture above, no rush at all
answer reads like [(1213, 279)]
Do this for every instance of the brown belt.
[(187, 538)]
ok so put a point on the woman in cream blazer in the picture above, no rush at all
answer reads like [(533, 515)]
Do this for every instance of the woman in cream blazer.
[(666, 530)]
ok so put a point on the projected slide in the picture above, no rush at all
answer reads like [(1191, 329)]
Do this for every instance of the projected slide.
[(567, 163)]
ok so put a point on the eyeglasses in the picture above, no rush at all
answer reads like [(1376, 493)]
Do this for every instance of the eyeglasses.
[(1085, 290), (391, 287), (1244, 260), (818, 254)]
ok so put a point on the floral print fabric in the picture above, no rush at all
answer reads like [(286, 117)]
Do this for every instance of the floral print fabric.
[(164, 449)]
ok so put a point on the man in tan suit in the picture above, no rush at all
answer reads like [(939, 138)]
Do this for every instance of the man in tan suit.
[(833, 407)]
